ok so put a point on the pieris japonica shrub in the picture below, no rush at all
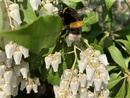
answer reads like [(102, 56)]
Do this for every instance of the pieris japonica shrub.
[(37, 46)]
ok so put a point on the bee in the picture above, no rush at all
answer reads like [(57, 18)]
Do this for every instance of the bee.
[(73, 22)]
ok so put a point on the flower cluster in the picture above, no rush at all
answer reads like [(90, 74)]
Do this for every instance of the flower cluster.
[(15, 51), (54, 60), (12, 75), (14, 13), (89, 81)]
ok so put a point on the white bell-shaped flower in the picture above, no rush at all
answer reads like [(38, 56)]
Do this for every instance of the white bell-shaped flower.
[(67, 73), (48, 60), (29, 88), (90, 71), (35, 88), (35, 4), (89, 52), (15, 15), (17, 70), (55, 65), (9, 49), (2, 81), (8, 76), (97, 53), (83, 93), (82, 79), (103, 76), (2, 56), (8, 62), (25, 51), (106, 93), (7, 88), (23, 85), (2, 69), (13, 6), (94, 61), (63, 84), (14, 81), (103, 59), (37, 81), (3, 94), (24, 69), (56, 89), (57, 56), (15, 91), (97, 84), (24, 72), (81, 66), (17, 57), (74, 85), (49, 7)]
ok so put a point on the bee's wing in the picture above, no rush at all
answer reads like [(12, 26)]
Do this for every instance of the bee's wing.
[(75, 14)]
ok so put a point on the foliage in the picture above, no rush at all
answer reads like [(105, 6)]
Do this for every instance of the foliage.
[(102, 27)]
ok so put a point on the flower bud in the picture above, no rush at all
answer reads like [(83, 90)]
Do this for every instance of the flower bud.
[(29, 88), (17, 57), (48, 61), (14, 6), (35, 88), (81, 66), (83, 93), (82, 79), (97, 84), (56, 89), (7, 76), (9, 49), (55, 65), (103, 59), (90, 71), (15, 15), (49, 7), (35, 4), (23, 85), (63, 84), (2, 69), (25, 51), (7, 88), (74, 85), (2, 56)]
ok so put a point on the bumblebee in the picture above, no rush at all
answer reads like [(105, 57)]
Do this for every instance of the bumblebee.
[(72, 21)]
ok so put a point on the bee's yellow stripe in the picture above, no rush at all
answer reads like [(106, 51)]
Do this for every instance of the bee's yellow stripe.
[(76, 24), (64, 10)]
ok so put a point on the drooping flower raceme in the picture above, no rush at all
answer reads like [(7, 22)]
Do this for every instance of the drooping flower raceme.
[(91, 73), (53, 60)]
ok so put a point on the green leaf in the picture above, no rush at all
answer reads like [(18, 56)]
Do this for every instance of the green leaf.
[(91, 19), (53, 78), (128, 89), (1, 17), (109, 3), (113, 82), (126, 43), (121, 93), (40, 34), (29, 15), (128, 37), (110, 68), (117, 57), (36, 61)]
